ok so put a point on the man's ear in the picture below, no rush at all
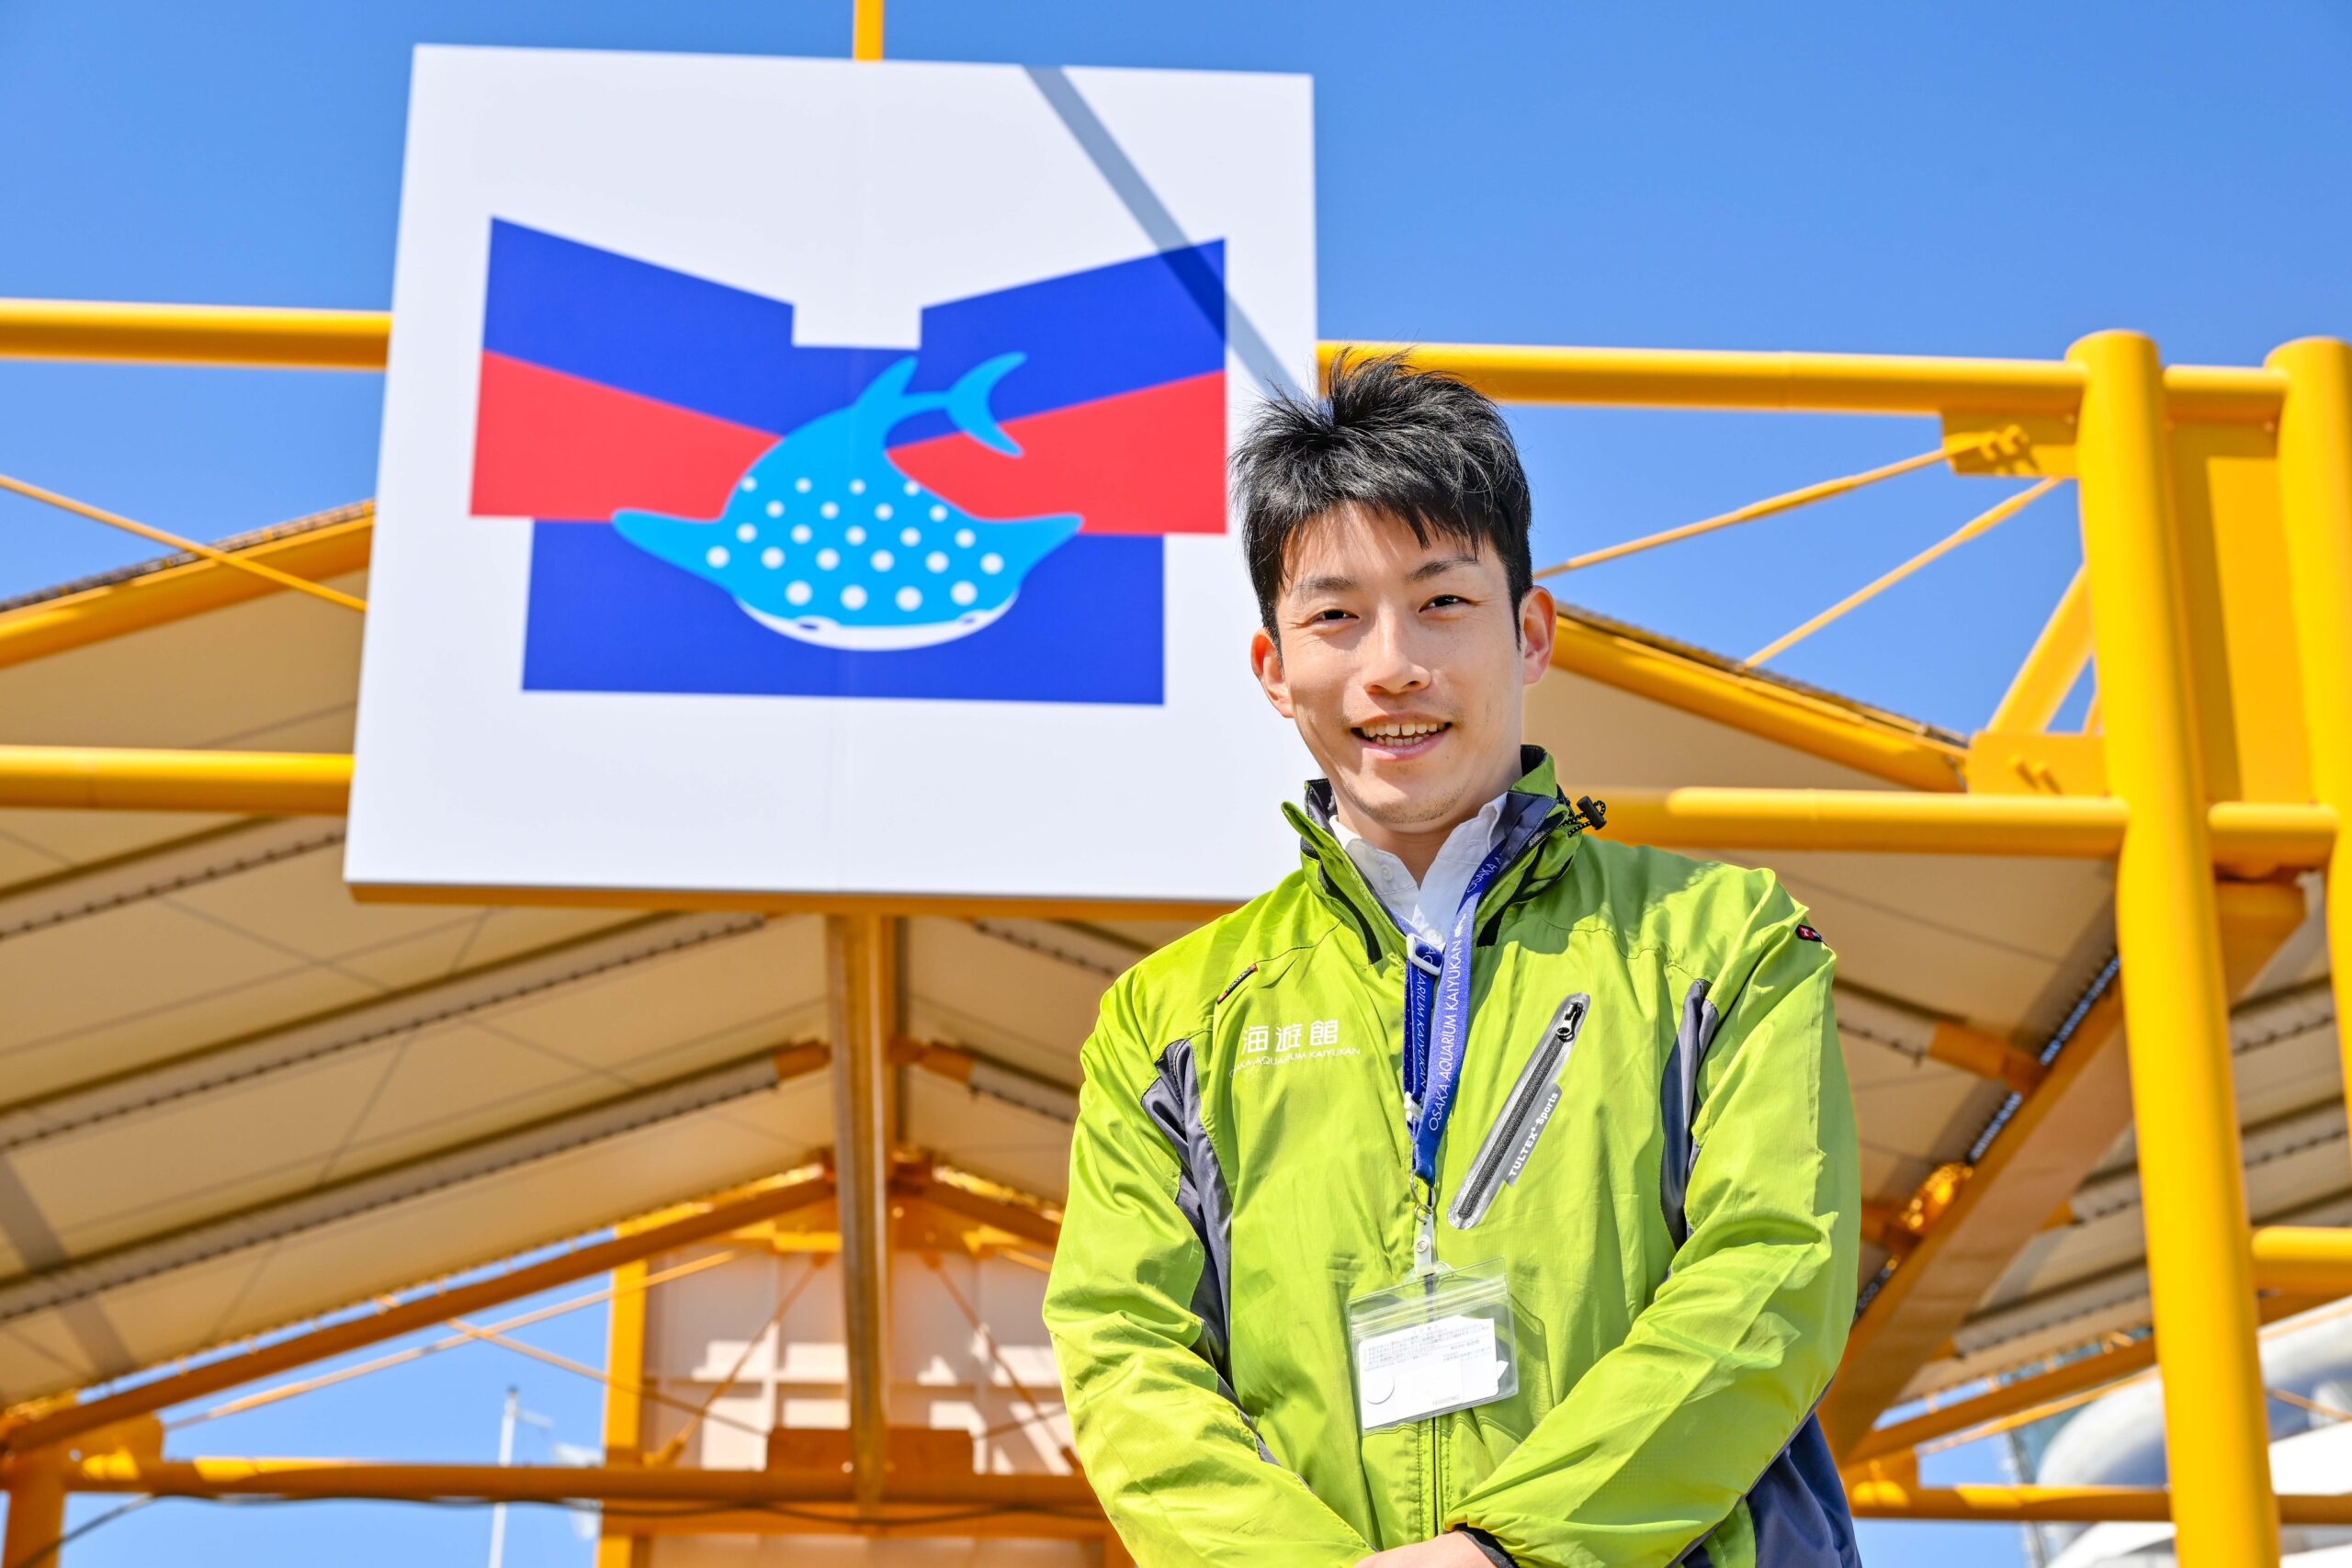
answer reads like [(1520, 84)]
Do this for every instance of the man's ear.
[(1539, 624), (1266, 663)]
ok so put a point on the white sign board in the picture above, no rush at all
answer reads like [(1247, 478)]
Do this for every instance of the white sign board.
[(809, 477)]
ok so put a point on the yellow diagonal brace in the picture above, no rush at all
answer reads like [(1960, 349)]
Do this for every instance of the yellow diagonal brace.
[(1770, 506), (2057, 660), (116, 520), (1983, 523)]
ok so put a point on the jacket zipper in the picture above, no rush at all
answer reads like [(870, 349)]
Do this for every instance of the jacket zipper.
[(1526, 1111)]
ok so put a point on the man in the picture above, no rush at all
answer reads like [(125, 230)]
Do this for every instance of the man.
[(1487, 1192)]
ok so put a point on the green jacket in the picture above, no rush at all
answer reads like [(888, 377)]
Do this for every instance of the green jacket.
[(1230, 1191)]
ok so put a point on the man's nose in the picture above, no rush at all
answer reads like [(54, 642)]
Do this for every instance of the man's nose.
[(1391, 663)]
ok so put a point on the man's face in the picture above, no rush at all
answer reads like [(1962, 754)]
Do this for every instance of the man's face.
[(1402, 665)]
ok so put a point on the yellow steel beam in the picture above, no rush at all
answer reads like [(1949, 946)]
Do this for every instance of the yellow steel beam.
[(2216, 1433), (264, 784), (2060, 1383), (264, 336), (1815, 383), (2077, 1505), (1986, 1056), (2049, 1144), (797, 1189), (861, 985), (2315, 507), (2056, 662), (2244, 836), (1030, 1224), (336, 547), (1687, 681), (322, 1479), (2307, 1259), (1651, 377)]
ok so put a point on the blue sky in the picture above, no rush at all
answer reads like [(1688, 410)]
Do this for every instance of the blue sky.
[(1991, 180)]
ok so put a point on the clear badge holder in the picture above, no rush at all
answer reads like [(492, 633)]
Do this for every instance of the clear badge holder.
[(1439, 1342)]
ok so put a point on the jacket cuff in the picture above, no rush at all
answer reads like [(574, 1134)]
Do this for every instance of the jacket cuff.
[(1490, 1545)]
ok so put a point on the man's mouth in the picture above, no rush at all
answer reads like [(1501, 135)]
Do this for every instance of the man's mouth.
[(1401, 737)]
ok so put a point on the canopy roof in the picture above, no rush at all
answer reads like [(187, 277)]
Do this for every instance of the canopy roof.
[(232, 1098)]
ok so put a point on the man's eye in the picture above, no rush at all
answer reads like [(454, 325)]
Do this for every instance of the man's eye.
[(1445, 599), (1328, 616)]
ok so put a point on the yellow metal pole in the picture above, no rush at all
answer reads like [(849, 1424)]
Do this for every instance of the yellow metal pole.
[(2217, 1437), (2315, 506), (624, 1407), (866, 31), (863, 994), (36, 1511)]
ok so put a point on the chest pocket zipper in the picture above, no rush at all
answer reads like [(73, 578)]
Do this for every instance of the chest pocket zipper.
[(1526, 1111)]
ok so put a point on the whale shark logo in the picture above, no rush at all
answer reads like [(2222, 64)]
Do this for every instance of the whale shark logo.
[(716, 507), (826, 539)]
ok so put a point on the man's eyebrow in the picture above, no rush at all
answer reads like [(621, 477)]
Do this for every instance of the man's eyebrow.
[(1444, 563), (1325, 583)]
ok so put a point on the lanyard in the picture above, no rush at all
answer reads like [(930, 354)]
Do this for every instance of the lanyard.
[(1437, 1013)]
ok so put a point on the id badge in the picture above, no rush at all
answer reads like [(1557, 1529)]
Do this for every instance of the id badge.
[(1439, 1342)]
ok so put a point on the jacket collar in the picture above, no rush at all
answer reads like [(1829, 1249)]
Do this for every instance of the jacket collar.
[(1533, 815)]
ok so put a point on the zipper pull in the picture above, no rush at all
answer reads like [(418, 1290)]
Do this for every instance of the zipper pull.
[(1425, 1235)]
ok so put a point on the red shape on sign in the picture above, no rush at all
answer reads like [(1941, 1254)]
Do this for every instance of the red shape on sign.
[(562, 447), (1147, 462)]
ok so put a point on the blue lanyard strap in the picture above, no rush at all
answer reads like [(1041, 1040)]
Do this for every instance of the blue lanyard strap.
[(1437, 1010)]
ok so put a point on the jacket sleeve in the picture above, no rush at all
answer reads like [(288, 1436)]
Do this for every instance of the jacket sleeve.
[(1663, 1434), (1178, 1469)]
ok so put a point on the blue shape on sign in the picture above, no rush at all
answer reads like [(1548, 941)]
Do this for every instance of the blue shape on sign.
[(1090, 630), (826, 540)]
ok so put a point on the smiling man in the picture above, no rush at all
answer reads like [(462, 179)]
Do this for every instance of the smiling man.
[(1486, 1191)]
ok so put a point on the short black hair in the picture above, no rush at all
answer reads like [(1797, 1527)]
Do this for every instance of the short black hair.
[(1419, 446)]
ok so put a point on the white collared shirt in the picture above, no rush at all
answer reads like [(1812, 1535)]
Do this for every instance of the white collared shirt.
[(1425, 909)]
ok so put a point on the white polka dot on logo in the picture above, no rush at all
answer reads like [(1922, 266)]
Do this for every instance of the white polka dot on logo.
[(910, 538), (857, 535), (936, 560), (716, 555), (797, 592), (910, 598), (992, 563), (939, 514), (882, 512), (963, 538), (829, 559), (801, 485), (857, 487), (913, 489), (749, 483), (775, 509), (854, 597), (800, 533), (746, 533), (883, 560), (771, 558), (963, 593), (829, 511)]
